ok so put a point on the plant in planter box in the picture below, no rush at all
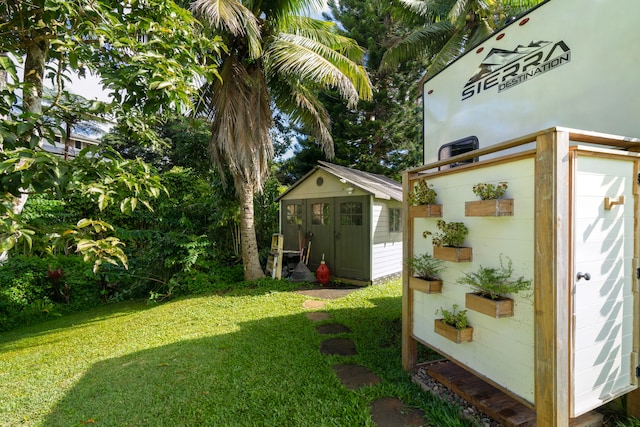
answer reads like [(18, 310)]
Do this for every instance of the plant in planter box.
[(453, 325), (454, 317), (425, 273), (492, 286), (425, 267), (447, 244), (451, 234), (422, 194), (490, 191)]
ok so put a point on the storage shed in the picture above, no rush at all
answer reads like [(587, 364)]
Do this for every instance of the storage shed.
[(353, 218)]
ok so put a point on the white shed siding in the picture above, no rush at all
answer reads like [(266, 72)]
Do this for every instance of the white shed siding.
[(387, 246), (331, 187), (489, 237)]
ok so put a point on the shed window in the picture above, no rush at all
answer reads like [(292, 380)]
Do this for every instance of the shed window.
[(320, 214), (294, 213), (395, 220), (351, 213), (79, 145)]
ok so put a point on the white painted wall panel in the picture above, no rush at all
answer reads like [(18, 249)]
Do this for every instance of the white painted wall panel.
[(387, 246), (502, 349)]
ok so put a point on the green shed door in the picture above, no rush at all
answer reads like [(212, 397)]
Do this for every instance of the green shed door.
[(320, 223), (352, 241)]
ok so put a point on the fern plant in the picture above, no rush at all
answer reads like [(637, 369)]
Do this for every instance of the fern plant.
[(425, 267), (495, 283)]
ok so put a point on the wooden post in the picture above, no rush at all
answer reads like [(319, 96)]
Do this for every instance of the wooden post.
[(409, 344), (551, 284)]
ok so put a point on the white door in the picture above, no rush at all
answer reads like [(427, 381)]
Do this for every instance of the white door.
[(603, 280)]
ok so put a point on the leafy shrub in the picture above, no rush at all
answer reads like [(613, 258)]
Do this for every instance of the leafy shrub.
[(28, 292)]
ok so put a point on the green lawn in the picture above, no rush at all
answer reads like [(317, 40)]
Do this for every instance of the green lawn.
[(243, 359)]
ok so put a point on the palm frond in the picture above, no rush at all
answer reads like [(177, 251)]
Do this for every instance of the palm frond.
[(231, 16), (415, 44), (324, 33), (429, 9), (303, 107), (450, 51), (300, 57)]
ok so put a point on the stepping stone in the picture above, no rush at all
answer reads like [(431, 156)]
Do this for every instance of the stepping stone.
[(339, 346), (313, 304), (355, 376), (318, 316), (332, 328), (391, 412)]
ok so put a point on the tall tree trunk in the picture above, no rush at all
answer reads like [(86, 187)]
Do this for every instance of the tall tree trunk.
[(34, 63), (250, 258)]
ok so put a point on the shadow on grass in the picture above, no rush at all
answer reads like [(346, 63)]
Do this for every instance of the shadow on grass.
[(269, 373)]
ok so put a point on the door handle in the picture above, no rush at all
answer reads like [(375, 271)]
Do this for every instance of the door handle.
[(585, 276)]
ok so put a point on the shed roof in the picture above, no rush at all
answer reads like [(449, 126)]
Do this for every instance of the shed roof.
[(379, 186)]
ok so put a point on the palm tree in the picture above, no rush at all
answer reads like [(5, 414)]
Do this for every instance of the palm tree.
[(451, 28), (277, 60)]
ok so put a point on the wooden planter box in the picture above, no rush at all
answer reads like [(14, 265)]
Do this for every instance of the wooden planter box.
[(425, 211), (502, 307), (450, 253), (426, 286), (456, 335), (495, 207)]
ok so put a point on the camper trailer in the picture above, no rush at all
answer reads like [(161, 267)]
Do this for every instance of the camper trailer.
[(549, 105)]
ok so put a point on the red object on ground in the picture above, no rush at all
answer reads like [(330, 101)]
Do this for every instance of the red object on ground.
[(322, 273)]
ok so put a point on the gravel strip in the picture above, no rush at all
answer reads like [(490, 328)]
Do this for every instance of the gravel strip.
[(470, 412)]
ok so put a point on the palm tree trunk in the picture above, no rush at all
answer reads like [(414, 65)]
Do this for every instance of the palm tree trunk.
[(250, 258)]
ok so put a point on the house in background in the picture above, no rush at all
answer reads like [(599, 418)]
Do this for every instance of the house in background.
[(352, 218)]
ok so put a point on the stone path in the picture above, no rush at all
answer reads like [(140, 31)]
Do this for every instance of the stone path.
[(386, 411)]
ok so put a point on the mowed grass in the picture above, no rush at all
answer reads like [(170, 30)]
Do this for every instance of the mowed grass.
[(241, 359)]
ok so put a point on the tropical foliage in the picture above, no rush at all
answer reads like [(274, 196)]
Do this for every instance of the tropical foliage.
[(276, 58), (449, 29), (148, 53)]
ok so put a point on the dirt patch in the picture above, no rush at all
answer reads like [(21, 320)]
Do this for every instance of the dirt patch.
[(332, 328), (313, 304), (338, 346), (391, 412), (318, 316), (327, 293), (355, 376)]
